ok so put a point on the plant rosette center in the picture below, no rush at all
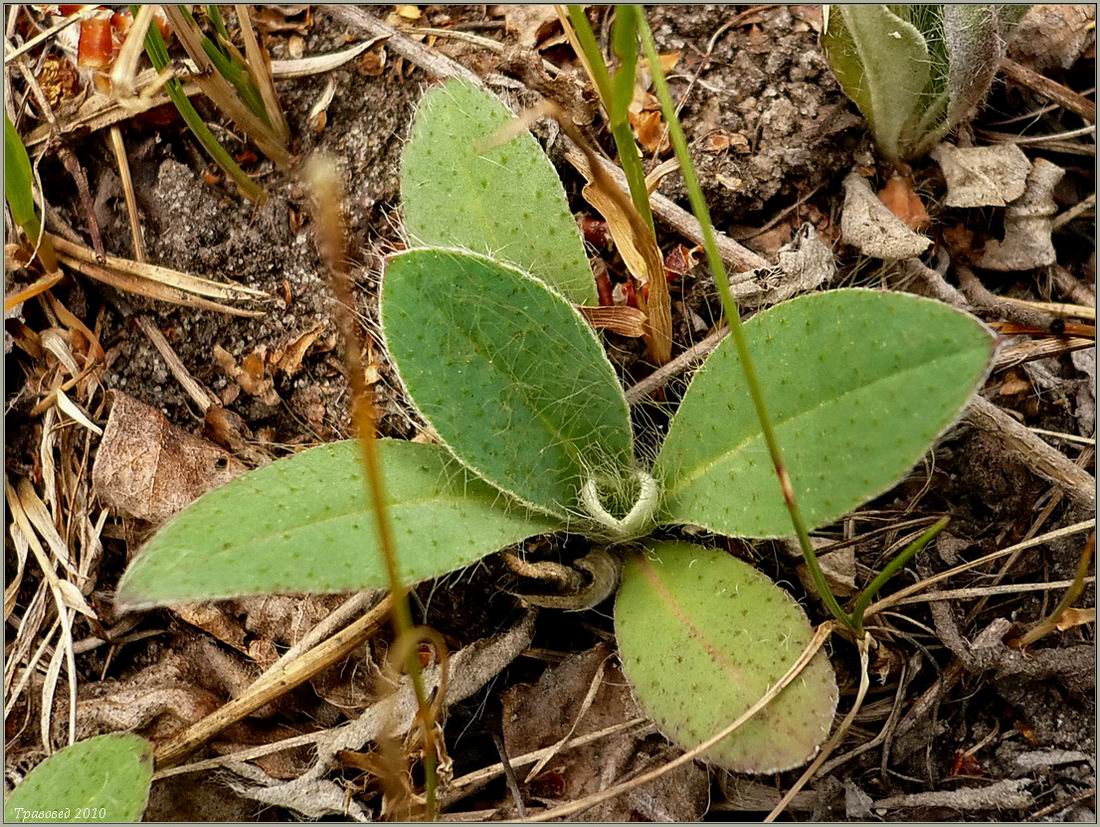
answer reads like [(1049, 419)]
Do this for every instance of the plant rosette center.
[(637, 497)]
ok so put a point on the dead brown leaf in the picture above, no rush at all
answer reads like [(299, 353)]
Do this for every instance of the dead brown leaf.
[(213, 619), (541, 714), (288, 357), (286, 18), (250, 374), (158, 701), (529, 24), (150, 469), (681, 260), (625, 321), (373, 62), (1075, 617), (649, 128)]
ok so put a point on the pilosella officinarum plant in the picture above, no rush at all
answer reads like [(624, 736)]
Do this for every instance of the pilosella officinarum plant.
[(916, 71), (535, 437)]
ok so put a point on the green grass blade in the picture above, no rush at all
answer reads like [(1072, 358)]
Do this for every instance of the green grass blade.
[(301, 525), (158, 56), (19, 193), (616, 94), (624, 43), (216, 20), (859, 607), (511, 377), (229, 68), (19, 182)]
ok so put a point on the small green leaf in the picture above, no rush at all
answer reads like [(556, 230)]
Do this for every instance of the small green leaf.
[(511, 377), (858, 384), (19, 182), (976, 38), (506, 201), (702, 637), (302, 524), (101, 779), (882, 63)]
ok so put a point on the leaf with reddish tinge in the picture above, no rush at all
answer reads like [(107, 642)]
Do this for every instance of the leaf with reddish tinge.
[(702, 637)]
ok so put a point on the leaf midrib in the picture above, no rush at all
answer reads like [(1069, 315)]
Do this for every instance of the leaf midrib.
[(515, 383), (456, 499), (684, 481)]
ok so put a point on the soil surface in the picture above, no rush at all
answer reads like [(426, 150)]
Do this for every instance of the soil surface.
[(957, 723)]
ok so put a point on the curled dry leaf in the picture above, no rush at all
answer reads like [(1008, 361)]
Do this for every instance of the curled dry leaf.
[(318, 113), (470, 669), (803, 265), (148, 468), (251, 374), (869, 225), (650, 130), (287, 358), (638, 247), (634, 250), (1027, 243), (982, 176), (1053, 35), (1075, 617), (1085, 361), (530, 24), (620, 319), (158, 701), (221, 622)]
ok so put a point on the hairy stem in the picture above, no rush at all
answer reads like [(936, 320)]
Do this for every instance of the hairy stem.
[(327, 193), (640, 517), (733, 319)]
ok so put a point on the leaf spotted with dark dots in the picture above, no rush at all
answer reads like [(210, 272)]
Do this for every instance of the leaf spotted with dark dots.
[(302, 524), (732, 634)]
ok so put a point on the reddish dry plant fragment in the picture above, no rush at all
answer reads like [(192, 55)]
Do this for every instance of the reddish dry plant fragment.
[(425, 655), (102, 35), (900, 198), (121, 21), (680, 261), (965, 764), (595, 232), (604, 289), (631, 293), (97, 43)]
